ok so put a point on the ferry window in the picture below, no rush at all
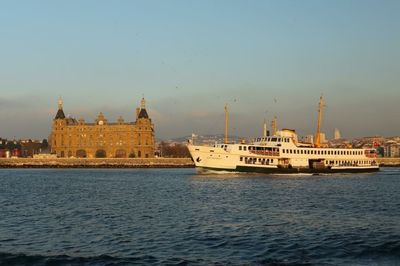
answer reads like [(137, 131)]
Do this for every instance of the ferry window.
[(244, 148), (241, 159), (279, 139), (273, 139), (240, 148)]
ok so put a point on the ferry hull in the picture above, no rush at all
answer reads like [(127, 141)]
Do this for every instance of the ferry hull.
[(261, 170)]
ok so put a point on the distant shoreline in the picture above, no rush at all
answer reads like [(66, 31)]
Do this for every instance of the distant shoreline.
[(97, 163)]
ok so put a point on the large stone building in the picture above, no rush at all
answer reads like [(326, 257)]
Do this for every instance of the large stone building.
[(102, 139)]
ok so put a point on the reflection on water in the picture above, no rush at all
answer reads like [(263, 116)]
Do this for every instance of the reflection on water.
[(175, 216)]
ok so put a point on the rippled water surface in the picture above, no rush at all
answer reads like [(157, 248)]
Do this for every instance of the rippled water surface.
[(176, 217)]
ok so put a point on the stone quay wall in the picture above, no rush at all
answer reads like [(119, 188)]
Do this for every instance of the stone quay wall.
[(96, 163), (388, 162)]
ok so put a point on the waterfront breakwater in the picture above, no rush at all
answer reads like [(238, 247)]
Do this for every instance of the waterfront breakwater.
[(123, 162), (388, 162), (96, 163)]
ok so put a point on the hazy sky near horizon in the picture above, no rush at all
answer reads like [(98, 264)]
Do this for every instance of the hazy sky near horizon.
[(189, 58)]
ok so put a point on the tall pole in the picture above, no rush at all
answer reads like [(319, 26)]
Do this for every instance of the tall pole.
[(320, 110), (265, 129), (226, 123)]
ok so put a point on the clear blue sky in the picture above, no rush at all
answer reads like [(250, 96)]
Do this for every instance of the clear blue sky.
[(189, 58)]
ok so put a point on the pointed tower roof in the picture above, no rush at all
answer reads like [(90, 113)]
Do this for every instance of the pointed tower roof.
[(143, 112), (60, 113)]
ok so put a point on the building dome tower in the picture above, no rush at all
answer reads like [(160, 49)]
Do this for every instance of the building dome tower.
[(60, 113), (57, 137)]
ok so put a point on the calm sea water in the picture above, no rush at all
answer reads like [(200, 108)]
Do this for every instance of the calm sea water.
[(176, 217)]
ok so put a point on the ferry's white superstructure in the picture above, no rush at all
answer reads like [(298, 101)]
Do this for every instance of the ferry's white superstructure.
[(282, 153)]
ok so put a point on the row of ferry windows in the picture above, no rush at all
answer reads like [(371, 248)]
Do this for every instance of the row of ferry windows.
[(253, 160), (349, 163), (322, 152), (272, 139), (254, 148)]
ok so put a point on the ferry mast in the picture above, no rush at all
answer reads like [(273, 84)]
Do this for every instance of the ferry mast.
[(318, 135), (226, 123)]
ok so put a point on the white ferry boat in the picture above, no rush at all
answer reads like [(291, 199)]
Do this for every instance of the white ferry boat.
[(282, 153)]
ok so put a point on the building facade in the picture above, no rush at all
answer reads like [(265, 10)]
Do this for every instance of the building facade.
[(392, 149), (102, 139)]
